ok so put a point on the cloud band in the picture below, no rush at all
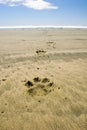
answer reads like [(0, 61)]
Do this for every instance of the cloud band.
[(35, 4)]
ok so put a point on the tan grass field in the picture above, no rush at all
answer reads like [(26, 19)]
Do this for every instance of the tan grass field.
[(43, 79)]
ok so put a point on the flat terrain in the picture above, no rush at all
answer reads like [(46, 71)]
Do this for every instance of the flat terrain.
[(43, 79)]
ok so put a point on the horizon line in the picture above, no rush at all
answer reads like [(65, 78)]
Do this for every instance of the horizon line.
[(41, 26)]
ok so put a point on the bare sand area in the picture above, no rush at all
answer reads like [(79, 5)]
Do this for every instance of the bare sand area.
[(43, 79)]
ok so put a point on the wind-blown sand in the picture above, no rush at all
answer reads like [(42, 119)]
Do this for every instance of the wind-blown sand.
[(43, 79)]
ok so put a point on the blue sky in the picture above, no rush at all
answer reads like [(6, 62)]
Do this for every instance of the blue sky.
[(43, 12)]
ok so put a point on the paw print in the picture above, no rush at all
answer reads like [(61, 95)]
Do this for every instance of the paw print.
[(39, 87)]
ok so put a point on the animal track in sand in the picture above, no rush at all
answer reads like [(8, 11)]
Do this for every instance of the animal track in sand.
[(51, 44), (40, 52), (39, 87), (3, 79)]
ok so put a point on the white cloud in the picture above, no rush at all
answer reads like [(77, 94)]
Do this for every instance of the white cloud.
[(35, 4)]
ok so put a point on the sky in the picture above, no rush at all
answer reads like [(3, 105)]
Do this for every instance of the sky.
[(43, 12)]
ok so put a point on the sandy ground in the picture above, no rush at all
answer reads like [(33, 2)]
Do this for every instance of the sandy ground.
[(43, 79)]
